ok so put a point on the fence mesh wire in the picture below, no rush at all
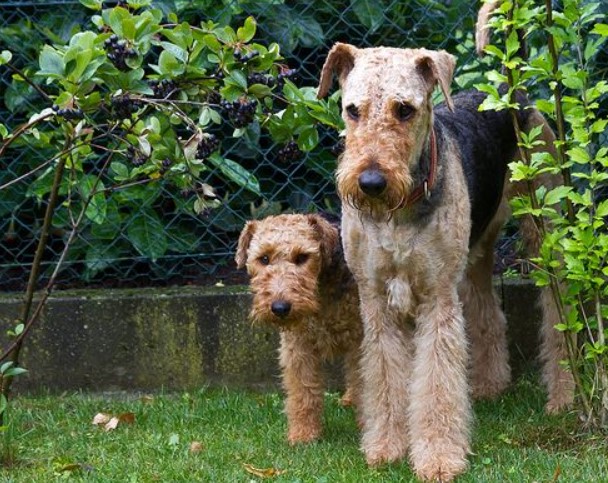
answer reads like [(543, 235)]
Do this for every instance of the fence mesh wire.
[(200, 248)]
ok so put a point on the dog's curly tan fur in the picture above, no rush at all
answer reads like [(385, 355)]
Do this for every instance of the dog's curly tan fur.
[(301, 286)]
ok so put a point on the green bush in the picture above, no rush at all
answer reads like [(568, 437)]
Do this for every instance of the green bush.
[(571, 218)]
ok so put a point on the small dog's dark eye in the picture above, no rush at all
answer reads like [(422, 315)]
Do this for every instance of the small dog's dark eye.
[(301, 258), (353, 112), (264, 260), (404, 111)]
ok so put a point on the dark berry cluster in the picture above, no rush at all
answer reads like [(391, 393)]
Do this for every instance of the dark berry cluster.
[(119, 51), (338, 148), (163, 89), (124, 106), (289, 153), (241, 57), (214, 98), (135, 156), (257, 78), (165, 165), (240, 112), (286, 74), (206, 146), (68, 113)]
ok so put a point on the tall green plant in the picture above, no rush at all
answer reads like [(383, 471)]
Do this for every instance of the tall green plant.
[(141, 104), (571, 217)]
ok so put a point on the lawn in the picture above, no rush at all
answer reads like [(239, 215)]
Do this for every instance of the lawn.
[(238, 436)]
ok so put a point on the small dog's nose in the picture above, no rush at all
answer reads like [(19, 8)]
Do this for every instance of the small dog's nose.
[(372, 182), (280, 308)]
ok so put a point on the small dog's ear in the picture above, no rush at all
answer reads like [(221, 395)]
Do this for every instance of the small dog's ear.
[(437, 67), (340, 59), (328, 236), (244, 240)]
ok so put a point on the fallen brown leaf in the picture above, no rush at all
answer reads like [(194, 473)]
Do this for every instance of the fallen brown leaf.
[(196, 447), (111, 424), (101, 418), (128, 418), (262, 472)]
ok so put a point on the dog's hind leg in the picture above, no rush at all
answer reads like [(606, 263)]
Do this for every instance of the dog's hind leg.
[(486, 323), (558, 380)]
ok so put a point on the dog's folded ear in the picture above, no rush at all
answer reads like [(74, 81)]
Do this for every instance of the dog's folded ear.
[(245, 237), (341, 60), (437, 67), (328, 236)]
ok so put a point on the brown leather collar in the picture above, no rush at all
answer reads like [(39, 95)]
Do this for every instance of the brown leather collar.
[(424, 190)]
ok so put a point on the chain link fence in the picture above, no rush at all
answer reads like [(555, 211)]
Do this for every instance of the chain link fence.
[(199, 248)]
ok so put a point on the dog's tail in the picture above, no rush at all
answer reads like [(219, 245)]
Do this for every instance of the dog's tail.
[(482, 29)]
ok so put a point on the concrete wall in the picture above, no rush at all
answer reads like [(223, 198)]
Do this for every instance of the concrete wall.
[(178, 338)]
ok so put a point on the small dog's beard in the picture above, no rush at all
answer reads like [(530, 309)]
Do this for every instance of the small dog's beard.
[(303, 306)]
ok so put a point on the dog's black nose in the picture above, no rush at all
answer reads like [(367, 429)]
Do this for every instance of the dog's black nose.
[(372, 182), (280, 308)]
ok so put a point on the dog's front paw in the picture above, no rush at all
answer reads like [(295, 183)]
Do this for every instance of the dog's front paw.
[(378, 454), (303, 434), (440, 467)]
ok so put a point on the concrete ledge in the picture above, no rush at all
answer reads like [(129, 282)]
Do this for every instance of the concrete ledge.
[(180, 338)]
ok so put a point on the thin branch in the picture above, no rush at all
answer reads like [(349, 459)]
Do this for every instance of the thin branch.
[(20, 130), (28, 80)]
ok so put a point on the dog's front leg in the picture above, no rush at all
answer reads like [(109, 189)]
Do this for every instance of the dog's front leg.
[(384, 372), (440, 410), (304, 388)]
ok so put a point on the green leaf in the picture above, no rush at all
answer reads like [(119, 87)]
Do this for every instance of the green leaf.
[(147, 234), (512, 43), (557, 194), (369, 12), (579, 155), (308, 138), (247, 31), (114, 17), (90, 187), (5, 57), (600, 29), (175, 50), (15, 371), (169, 65), (602, 209), (92, 4), (237, 78), (236, 173), (51, 62)]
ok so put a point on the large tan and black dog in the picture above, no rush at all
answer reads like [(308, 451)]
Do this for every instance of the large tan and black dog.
[(424, 198)]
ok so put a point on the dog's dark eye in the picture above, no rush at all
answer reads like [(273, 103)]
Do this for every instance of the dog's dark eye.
[(301, 258), (404, 111), (353, 112), (264, 260)]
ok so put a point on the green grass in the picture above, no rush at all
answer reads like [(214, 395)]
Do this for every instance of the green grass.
[(513, 441)]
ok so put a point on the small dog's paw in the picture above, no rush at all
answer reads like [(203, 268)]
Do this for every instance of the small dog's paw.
[(303, 435)]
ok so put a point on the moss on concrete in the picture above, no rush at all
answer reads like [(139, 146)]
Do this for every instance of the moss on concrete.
[(179, 337), (168, 350)]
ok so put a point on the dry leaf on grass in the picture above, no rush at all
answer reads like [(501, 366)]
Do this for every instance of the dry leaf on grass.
[(196, 447), (111, 422), (101, 418), (262, 472)]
